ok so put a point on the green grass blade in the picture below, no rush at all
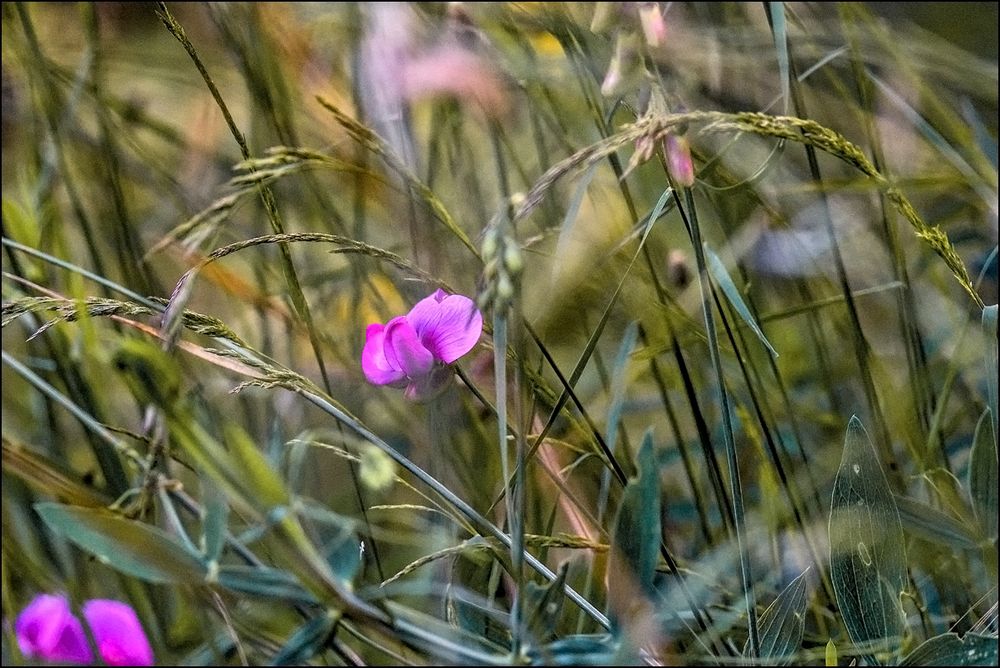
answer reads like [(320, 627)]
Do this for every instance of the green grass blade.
[(776, 11), (721, 276)]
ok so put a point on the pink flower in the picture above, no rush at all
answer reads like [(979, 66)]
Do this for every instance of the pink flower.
[(413, 350), (49, 631), (118, 633)]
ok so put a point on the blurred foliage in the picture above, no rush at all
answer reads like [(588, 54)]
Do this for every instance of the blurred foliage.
[(753, 419)]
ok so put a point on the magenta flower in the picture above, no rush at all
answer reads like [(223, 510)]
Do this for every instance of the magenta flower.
[(118, 633), (49, 631), (413, 350)]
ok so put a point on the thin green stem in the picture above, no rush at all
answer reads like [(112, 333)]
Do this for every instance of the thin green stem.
[(735, 485)]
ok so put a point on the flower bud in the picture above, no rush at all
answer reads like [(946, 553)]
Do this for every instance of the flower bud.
[(679, 162), (625, 65), (653, 26)]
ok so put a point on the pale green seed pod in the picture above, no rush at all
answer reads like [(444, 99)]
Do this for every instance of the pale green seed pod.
[(513, 261)]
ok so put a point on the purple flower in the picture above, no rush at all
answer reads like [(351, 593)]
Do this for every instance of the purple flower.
[(118, 633), (413, 350), (49, 631)]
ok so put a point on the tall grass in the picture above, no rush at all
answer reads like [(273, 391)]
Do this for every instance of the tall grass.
[(734, 402)]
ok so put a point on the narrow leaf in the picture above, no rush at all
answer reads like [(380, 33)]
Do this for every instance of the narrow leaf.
[(783, 622), (140, 550), (618, 382), (778, 27), (983, 476), (215, 519), (931, 524), (265, 582), (867, 559), (635, 544), (949, 650), (721, 276), (47, 476), (566, 230), (307, 641), (264, 482), (543, 606), (576, 650), (990, 327)]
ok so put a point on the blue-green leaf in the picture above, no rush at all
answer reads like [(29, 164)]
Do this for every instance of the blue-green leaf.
[(635, 544), (777, 10), (307, 641), (721, 276), (214, 521), (265, 582), (578, 650), (983, 477), (619, 380), (783, 622), (950, 650), (134, 548), (543, 604), (867, 558)]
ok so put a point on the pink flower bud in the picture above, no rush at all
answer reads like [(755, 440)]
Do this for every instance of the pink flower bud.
[(653, 26), (679, 162)]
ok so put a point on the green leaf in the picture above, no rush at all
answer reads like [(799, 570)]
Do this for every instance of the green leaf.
[(983, 477), (635, 544), (931, 524), (783, 622), (721, 276), (777, 10), (578, 650), (950, 650), (338, 536), (990, 327), (543, 606), (307, 641), (20, 223), (265, 582), (619, 379), (867, 559), (569, 221), (215, 519), (264, 482), (134, 548)]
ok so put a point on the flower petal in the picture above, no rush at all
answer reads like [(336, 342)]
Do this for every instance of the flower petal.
[(46, 629), (373, 362), (403, 349), (118, 633), (448, 325)]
